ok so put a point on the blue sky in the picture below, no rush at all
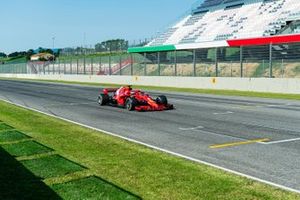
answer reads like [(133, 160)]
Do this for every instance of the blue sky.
[(29, 24)]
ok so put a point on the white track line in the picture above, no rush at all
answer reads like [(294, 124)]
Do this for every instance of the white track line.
[(163, 150), (224, 113), (282, 141), (190, 129)]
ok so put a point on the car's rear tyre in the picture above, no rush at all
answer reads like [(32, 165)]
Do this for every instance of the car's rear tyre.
[(162, 100), (103, 99), (130, 104)]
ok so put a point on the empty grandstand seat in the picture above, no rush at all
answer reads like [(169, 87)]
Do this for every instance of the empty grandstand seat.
[(216, 20)]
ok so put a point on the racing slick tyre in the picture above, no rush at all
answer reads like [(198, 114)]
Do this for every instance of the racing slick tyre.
[(162, 100), (131, 103), (103, 99)]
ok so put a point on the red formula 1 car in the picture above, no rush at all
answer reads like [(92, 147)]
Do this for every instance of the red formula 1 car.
[(131, 99)]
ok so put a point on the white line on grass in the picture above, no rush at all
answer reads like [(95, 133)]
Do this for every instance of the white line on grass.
[(161, 149)]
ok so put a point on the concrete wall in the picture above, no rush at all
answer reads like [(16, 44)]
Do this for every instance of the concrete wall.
[(275, 85)]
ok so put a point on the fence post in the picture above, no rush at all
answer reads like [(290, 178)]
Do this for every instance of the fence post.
[(109, 64), (282, 69), (65, 66), (194, 62), (158, 62), (231, 72), (100, 64), (84, 65), (120, 62), (145, 64), (58, 66), (175, 63), (263, 67), (71, 66), (216, 59), (92, 66), (241, 62), (271, 62), (77, 67), (131, 65)]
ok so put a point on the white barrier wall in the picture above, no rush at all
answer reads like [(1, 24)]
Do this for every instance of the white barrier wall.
[(276, 85)]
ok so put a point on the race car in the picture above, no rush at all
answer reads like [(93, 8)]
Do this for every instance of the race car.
[(131, 99)]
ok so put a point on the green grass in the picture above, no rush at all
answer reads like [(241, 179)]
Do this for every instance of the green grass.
[(9, 136), (144, 172), (297, 70), (96, 55), (260, 70), (16, 182), (3, 59), (5, 127), (88, 187), (51, 166), (15, 60), (26, 148)]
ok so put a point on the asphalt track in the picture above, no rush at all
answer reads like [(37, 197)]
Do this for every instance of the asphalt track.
[(257, 137)]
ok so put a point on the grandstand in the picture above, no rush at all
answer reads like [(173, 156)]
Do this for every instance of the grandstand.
[(216, 21), (236, 31)]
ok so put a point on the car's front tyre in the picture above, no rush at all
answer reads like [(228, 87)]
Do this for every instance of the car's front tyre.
[(130, 104), (162, 100)]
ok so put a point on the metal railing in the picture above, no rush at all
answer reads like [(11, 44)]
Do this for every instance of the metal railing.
[(279, 61)]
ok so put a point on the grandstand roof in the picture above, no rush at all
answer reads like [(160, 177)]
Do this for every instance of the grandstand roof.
[(210, 3)]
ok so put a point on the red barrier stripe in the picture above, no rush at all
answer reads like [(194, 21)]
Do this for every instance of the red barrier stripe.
[(265, 40)]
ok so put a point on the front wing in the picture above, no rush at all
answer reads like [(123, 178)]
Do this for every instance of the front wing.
[(154, 108)]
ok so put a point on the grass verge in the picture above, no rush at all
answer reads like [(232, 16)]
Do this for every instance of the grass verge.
[(144, 172), (5, 127), (26, 148), (51, 166), (89, 186), (13, 135), (188, 90)]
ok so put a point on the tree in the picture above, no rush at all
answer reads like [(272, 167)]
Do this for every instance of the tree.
[(56, 53), (112, 45), (17, 54), (2, 55), (46, 51), (30, 52)]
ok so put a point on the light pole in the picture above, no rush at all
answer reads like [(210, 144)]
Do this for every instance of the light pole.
[(53, 40)]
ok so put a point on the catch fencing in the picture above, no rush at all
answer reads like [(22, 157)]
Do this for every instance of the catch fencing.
[(272, 61)]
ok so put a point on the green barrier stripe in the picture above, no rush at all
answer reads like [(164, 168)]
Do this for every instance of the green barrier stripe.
[(152, 49)]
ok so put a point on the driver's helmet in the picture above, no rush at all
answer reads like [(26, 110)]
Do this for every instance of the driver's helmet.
[(125, 90)]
